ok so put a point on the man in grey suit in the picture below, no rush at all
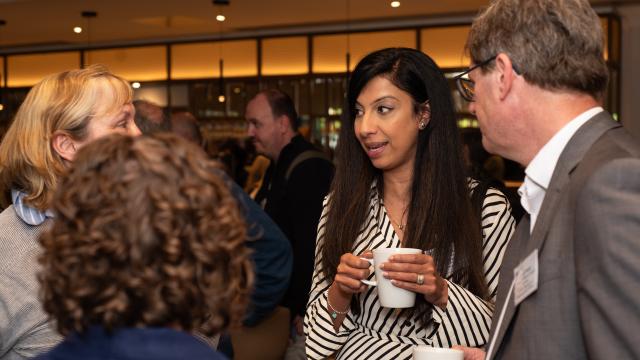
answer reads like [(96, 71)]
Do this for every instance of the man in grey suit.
[(570, 280)]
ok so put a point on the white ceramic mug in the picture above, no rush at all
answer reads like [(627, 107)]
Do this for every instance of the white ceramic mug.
[(390, 296), (433, 353)]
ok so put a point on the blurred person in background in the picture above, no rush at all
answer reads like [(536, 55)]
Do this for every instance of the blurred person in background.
[(234, 156), (256, 167), (60, 115), (569, 282), (146, 247), (186, 125), (151, 118), (479, 164), (292, 190), (401, 182), (271, 252)]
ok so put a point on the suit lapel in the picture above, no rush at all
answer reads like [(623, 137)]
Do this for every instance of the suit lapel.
[(504, 303), (522, 244)]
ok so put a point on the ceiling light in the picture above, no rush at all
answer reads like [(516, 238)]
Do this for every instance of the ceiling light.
[(1, 107), (395, 4), (135, 85), (77, 29), (220, 17)]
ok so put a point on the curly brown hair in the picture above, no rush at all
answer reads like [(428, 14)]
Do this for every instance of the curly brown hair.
[(145, 234)]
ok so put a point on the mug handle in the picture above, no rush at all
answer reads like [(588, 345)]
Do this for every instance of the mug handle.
[(369, 282)]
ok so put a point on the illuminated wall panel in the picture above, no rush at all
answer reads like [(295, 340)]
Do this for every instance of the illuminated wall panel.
[(201, 60), (329, 51), (285, 56), (147, 63), (27, 70)]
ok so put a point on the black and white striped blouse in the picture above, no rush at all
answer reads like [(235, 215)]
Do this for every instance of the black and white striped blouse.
[(384, 333)]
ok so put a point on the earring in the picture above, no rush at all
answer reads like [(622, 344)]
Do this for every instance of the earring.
[(422, 125)]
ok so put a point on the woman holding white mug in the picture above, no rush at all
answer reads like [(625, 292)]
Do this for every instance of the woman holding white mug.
[(400, 182)]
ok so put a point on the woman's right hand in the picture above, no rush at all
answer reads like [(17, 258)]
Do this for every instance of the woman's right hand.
[(350, 271)]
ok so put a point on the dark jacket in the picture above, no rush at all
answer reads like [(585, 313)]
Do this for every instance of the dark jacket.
[(271, 255), (295, 204), (132, 344)]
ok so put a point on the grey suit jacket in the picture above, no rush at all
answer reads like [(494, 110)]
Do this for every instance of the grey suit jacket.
[(587, 305), (25, 330)]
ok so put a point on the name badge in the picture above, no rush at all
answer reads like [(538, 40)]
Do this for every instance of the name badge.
[(525, 278)]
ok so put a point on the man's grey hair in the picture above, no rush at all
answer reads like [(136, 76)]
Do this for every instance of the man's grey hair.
[(554, 44)]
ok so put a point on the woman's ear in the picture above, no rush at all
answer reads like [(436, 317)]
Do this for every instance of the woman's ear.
[(425, 115), (64, 145)]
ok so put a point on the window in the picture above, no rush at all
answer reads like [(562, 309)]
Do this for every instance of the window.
[(285, 56), (445, 45), (329, 51), (147, 63), (202, 60), (27, 70)]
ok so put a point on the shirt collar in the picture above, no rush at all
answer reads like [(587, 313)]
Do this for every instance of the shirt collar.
[(543, 164), (26, 213)]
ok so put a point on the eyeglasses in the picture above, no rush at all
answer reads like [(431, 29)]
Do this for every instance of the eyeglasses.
[(466, 86)]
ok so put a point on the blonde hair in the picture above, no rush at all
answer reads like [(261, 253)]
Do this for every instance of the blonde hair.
[(60, 103)]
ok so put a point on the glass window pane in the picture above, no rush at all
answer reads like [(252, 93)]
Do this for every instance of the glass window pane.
[(147, 63), (179, 97), (609, 24), (156, 94), (2, 78), (605, 30), (27, 70), (445, 45), (318, 92), (614, 41), (197, 61), (329, 51), (285, 56)]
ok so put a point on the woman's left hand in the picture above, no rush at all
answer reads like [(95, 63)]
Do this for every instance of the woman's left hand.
[(417, 273)]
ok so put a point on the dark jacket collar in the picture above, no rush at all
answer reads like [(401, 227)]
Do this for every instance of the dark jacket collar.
[(133, 344)]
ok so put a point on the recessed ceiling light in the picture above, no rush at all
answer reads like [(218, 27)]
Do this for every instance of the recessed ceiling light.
[(395, 4), (221, 98), (135, 85), (220, 18), (77, 29)]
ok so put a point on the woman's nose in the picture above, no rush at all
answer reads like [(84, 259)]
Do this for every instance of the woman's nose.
[(367, 125)]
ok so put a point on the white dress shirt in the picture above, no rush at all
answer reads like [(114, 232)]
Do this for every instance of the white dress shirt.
[(539, 171)]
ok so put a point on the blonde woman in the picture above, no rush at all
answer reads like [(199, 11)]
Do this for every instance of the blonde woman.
[(61, 113)]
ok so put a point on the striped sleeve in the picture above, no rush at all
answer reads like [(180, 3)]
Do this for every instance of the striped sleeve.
[(321, 338), (467, 318), (465, 321), (497, 228)]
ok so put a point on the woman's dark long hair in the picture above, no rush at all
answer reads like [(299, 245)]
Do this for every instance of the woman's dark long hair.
[(440, 216)]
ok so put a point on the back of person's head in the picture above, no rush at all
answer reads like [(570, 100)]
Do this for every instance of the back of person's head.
[(554, 44), (60, 103), (281, 104), (145, 235), (186, 125), (151, 118)]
